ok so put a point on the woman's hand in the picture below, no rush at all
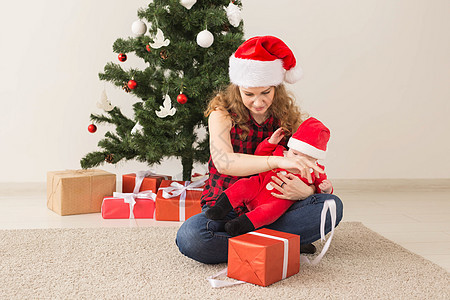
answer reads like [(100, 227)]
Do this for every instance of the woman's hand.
[(291, 187), (299, 165)]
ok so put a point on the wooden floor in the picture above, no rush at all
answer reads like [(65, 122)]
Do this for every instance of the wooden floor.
[(412, 213)]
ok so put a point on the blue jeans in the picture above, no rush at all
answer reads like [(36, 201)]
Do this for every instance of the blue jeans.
[(206, 241)]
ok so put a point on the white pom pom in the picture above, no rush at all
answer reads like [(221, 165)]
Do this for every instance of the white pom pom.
[(294, 74), (138, 28), (205, 39)]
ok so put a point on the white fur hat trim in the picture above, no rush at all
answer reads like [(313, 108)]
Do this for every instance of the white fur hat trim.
[(255, 73), (307, 149)]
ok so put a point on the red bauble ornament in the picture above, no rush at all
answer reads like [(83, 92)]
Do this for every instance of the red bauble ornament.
[(132, 84), (181, 98), (148, 48), (122, 57), (92, 128)]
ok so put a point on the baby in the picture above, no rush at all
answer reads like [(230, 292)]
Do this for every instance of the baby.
[(310, 140)]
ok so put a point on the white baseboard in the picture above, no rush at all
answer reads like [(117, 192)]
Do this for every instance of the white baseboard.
[(340, 185), (391, 185)]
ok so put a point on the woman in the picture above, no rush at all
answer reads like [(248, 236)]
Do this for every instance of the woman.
[(250, 110)]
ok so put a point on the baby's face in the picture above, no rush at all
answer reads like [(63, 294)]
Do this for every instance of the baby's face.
[(295, 153)]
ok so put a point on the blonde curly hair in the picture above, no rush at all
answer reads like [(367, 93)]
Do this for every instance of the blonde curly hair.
[(283, 109)]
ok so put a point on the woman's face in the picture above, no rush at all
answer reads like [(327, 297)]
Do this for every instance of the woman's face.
[(257, 99)]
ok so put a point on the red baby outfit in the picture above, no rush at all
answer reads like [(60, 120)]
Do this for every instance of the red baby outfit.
[(218, 182), (255, 192)]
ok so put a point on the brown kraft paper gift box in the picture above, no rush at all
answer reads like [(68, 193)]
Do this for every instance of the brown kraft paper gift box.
[(73, 192)]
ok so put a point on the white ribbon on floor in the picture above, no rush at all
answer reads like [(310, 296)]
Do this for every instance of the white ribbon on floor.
[(140, 178), (176, 189), (329, 204), (217, 283), (130, 198)]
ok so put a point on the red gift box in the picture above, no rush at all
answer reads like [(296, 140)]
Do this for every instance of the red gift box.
[(178, 200), (129, 206), (263, 256), (146, 181)]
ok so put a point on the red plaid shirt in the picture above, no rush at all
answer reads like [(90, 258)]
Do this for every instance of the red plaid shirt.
[(217, 182)]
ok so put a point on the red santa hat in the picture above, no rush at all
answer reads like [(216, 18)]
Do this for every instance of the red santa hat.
[(263, 61), (311, 138)]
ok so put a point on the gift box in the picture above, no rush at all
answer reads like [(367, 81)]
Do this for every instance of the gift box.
[(178, 200), (129, 206), (142, 181), (263, 256), (78, 191)]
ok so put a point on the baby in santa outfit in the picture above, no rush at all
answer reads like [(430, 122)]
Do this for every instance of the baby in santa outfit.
[(255, 192)]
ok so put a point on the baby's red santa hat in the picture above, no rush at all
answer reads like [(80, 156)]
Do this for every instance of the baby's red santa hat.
[(311, 138), (263, 61)]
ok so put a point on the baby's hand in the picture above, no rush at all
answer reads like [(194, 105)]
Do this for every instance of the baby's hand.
[(326, 186), (276, 136)]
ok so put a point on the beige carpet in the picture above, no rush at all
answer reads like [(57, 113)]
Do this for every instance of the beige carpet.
[(137, 263)]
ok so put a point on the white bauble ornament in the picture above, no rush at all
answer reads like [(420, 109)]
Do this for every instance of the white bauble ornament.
[(205, 39), (188, 3), (234, 14), (138, 28)]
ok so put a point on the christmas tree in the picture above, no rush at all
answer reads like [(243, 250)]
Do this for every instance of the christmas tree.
[(186, 48)]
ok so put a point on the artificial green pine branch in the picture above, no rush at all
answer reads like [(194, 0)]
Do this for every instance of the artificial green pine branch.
[(93, 159), (114, 73), (181, 66)]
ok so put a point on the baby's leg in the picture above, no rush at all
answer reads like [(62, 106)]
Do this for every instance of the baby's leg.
[(243, 191), (220, 209), (239, 225), (236, 195), (268, 212), (264, 214)]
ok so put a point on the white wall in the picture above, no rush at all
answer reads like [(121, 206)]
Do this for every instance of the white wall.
[(376, 72)]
